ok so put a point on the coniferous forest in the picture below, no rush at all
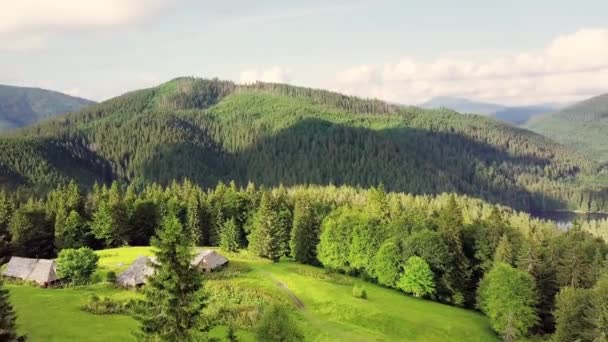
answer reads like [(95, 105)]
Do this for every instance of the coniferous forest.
[(521, 272), (272, 134)]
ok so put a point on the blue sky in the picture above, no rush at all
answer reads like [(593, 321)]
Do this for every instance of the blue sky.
[(513, 52)]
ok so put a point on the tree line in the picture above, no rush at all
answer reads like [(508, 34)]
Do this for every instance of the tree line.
[(521, 272)]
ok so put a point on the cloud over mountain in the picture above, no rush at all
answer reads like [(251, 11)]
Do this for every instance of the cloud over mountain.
[(570, 67)]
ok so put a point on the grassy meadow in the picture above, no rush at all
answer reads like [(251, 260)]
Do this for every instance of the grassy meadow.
[(322, 302)]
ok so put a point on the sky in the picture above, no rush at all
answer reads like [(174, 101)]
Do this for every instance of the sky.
[(515, 52)]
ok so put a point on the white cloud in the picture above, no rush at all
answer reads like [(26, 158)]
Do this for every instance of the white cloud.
[(275, 74), (20, 20), (569, 68)]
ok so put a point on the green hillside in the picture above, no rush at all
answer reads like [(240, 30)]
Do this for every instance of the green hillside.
[(583, 127), (210, 130), (21, 106), (329, 311)]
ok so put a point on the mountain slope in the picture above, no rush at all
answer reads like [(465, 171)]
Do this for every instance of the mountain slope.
[(210, 130), (583, 127), (21, 106), (517, 115)]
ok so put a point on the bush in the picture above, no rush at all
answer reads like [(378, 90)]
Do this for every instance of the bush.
[(106, 306), (76, 265), (111, 277), (359, 292), (277, 325)]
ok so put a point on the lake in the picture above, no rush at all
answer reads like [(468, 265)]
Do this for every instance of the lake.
[(565, 218)]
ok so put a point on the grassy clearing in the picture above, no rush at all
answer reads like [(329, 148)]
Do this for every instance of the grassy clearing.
[(329, 312)]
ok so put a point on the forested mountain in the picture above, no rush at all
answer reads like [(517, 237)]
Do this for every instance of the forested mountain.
[(517, 115), (211, 130), (24, 106), (583, 126)]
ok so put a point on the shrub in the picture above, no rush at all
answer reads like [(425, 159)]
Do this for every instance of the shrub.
[(106, 306), (111, 277), (277, 325), (359, 292), (77, 265)]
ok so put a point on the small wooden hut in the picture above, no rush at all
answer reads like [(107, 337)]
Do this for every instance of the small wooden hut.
[(41, 271), (137, 273), (209, 260)]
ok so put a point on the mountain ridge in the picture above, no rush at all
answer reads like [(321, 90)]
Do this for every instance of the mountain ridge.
[(272, 134), (517, 115), (22, 106)]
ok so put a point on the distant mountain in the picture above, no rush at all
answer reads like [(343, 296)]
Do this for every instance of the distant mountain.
[(582, 126), (20, 106), (517, 115), (462, 105)]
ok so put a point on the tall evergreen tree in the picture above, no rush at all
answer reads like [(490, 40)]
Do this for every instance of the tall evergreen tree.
[(193, 217), (32, 235), (450, 226), (174, 297), (8, 331), (599, 309), (266, 238), (6, 208), (571, 315), (230, 238), (504, 251), (71, 232), (304, 233)]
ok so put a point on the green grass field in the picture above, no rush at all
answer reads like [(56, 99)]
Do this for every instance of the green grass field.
[(327, 311)]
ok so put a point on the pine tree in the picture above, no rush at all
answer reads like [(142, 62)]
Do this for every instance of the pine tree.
[(504, 251), (599, 309), (571, 323), (304, 233), (266, 238), (174, 297), (71, 232), (8, 330), (104, 225), (230, 236), (5, 216), (450, 226), (193, 217)]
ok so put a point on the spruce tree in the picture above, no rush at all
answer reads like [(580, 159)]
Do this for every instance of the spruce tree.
[(5, 215), (193, 217), (266, 239), (8, 318), (174, 297), (599, 309), (504, 251), (304, 233), (230, 236), (571, 321)]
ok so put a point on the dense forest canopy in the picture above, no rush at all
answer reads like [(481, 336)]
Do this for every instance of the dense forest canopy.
[(272, 134)]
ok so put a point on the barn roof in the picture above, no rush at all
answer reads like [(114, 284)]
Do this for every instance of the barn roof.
[(42, 271), (137, 273), (210, 259)]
